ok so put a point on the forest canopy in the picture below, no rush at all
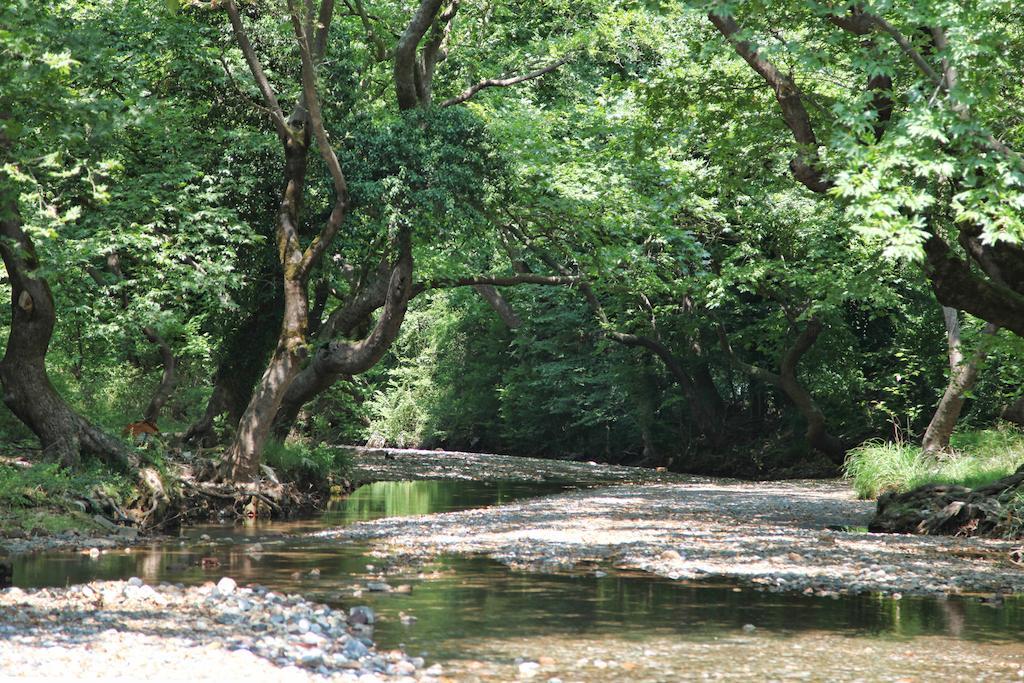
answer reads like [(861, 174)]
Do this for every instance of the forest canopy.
[(717, 237)]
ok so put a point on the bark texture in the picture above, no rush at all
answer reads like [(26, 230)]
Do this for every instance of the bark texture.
[(962, 375), (296, 133)]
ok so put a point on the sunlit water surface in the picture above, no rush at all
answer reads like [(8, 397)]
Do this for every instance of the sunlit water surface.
[(483, 621)]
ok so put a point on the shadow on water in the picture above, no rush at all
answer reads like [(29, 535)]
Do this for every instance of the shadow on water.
[(456, 599)]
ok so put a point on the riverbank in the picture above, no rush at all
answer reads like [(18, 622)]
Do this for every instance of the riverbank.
[(122, 629), (780, 536)]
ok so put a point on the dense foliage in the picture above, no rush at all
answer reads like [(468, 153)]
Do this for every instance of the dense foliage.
[(711, 236)]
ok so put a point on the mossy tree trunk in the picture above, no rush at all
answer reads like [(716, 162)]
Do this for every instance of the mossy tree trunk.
[(296, 133), (27, 389)]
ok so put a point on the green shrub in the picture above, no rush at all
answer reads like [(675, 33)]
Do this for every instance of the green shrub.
[(298, 461)]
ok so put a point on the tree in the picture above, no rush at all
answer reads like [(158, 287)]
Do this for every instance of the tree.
[(912, 154), (963, 373), (431, 138), (295, 133), (32, 73)]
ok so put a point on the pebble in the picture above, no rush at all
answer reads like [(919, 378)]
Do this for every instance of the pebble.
[(687, 530), (225, 625), (355, 649), (361, 615), (528, 669)]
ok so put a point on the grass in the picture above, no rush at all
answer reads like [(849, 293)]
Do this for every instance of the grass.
[(977, 458), (39, 497), (45, 483), (298, 461)]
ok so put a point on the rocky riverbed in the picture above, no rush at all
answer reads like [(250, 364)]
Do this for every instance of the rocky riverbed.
[(409, 464), (780, 536), (169, 632), (71, 540)]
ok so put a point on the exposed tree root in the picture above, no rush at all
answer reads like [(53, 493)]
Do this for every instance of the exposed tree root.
[(205, 495), (991, 510)]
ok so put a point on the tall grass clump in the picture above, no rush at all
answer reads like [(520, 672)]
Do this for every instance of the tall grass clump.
[(879, 466), (976, 458)]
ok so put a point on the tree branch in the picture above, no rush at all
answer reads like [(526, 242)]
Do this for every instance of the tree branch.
[(371, 34), (806, 165), (405, 53), (435, 51), (956, 285), (920, 62), (315, 250), (276, 113), (496, 280), (472, 90), (499, 305)]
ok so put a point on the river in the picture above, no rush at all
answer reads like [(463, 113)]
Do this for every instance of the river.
[(484, 621)]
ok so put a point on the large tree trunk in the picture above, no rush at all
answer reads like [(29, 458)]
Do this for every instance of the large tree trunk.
[(344, 322), (295, 133), (243, 455), (340, 357), (27, 389), (962, 376)]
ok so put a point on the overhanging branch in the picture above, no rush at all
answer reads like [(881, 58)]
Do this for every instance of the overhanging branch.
[(472, 90), (806, 166), (495, 280)]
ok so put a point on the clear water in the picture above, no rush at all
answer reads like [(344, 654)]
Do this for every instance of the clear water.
[(480, 619)]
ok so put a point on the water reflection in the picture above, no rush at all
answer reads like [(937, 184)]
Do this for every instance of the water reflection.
[(230, 549), (459, 601)]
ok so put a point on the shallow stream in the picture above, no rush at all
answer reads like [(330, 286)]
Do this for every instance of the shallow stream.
[(483, 621)]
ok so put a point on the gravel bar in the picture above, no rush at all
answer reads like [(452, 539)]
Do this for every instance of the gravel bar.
[(129, 630), (777, 536), (411, 464)]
